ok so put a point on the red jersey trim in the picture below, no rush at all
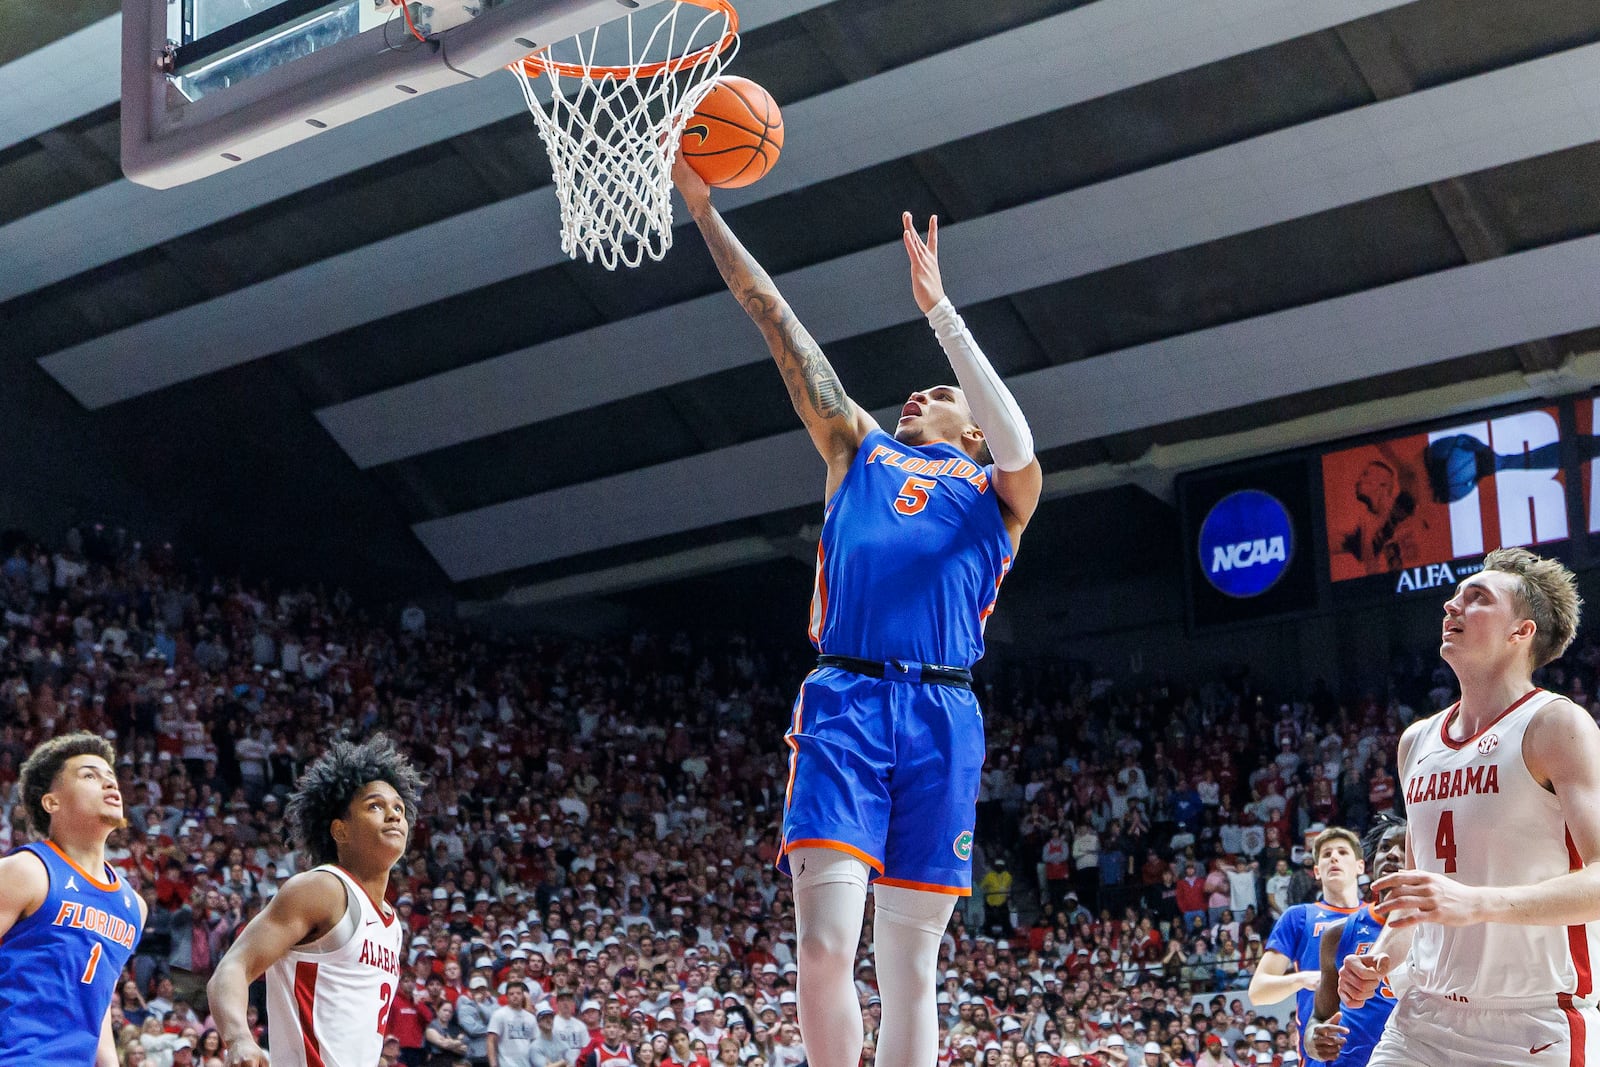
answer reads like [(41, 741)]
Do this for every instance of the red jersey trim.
[(1576, 1027), (305, 1001), (1578, 936), (1449, 716), (386, 915)]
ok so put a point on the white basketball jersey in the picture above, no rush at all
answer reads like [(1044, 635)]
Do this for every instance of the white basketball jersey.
[(1477, 815), (328, 1002)]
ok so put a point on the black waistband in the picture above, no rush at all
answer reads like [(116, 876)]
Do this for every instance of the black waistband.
[(900, 670)]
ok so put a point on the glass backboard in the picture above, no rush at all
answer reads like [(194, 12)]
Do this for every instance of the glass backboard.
[(211, 84)]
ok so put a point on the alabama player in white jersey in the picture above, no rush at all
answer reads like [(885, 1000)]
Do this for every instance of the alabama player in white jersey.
[(1495, 915), (330, 946)]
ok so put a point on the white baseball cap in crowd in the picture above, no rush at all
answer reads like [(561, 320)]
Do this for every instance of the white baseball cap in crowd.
[(1115, 1041), (704, 1004), (786, 997), (590, 1005), (1152, 1049)]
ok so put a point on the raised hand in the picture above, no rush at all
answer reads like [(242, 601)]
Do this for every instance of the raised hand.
[(694, 189), (926, 285)]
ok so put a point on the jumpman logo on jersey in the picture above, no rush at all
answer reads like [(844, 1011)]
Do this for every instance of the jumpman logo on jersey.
[(72, 883)]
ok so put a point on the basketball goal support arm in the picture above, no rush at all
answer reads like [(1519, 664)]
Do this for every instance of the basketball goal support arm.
[(836, 423)]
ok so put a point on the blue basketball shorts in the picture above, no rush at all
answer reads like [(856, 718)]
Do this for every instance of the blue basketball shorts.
[(887, 771)]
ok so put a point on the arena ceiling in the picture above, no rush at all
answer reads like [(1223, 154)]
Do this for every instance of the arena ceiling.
[(1186, 230)]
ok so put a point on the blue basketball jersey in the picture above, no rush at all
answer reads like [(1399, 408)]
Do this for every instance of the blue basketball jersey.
[(60, 964), (1366, 1022), (1298, 935), (912, 554)]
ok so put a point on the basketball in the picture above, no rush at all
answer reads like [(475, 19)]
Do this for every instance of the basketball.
[(734, 136)]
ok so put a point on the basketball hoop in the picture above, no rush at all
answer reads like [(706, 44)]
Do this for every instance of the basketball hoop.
[(612, 130)]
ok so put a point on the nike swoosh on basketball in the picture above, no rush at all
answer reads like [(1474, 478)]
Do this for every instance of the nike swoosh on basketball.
[(1540, 1048)]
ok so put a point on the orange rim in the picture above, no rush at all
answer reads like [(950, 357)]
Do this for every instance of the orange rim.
[(535, 63)]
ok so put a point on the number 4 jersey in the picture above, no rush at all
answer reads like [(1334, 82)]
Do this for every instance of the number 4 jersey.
[(1478, 816), (912, 554), (59, 965), (328, 1002)]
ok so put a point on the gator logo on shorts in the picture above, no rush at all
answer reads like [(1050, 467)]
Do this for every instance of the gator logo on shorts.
[(963, 845)]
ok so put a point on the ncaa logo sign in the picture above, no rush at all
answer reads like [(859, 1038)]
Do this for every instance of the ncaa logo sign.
[(1246, 543)]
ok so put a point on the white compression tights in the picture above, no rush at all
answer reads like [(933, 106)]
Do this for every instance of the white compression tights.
[(905, 933), (830, 889), (830, 896)]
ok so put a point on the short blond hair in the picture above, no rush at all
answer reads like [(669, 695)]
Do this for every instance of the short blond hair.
[(1547, 593), (1332, 834)]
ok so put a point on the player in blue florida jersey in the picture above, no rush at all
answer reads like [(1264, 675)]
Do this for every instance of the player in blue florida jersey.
[(1346, 1037), (886, 742), (68, 922), (1292, 961)]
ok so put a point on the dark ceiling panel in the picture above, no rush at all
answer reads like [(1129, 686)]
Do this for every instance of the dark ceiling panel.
[(1297, 262), (894, 35), (478, 325), (1541, 201), (640, 431), (29, 27), (47, 169), (1218, 104), (1438, 41)]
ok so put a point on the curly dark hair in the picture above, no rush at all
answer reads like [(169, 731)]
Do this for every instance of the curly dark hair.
[(1373, 838), (327, 788), (39, 770)]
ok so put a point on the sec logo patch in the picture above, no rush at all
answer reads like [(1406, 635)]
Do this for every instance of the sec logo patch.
[(1488, 744), (963, 845)]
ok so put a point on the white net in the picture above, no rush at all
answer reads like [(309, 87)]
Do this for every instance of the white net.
[(612, 131)]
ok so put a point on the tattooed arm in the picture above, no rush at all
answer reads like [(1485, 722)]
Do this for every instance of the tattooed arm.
[(836, 423)]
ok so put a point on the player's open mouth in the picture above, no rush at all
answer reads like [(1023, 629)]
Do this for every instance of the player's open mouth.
[(911, 410)]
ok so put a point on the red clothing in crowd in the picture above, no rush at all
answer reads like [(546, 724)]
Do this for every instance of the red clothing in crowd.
[(408, 1019)]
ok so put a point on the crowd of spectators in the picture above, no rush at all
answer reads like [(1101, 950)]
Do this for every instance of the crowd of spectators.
[(591, 873)]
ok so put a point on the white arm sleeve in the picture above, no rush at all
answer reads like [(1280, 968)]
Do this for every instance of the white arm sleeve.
[(993, 407)]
